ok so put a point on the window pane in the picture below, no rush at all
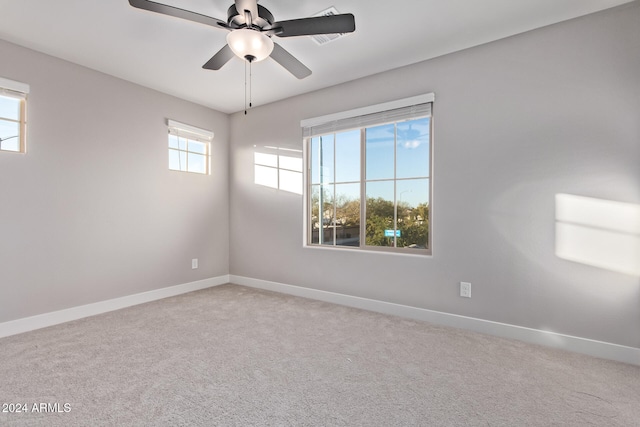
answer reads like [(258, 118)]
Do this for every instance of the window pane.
[(328, 220), (291, 163), (177, 160), (264, 175), (321, 159), (413, 213), (10, 108), (413, 149), (173, 142), (197, 147), (380, 157), (196, 163), (265, 159), (380, 214), (9, 136), (325, 158), (348, 214), (314, 222), (348, 156), (291, 181), (12, 144), (314, 160), (182, 143)]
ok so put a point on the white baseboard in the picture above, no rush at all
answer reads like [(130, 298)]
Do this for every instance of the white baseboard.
[(18, 326), (587, 346)]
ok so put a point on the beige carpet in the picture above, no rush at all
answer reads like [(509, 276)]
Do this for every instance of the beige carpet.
[(235, 356)]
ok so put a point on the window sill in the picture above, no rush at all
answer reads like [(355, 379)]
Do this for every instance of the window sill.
[(405, 252)]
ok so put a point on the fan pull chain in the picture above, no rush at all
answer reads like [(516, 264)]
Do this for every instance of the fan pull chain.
[(245, 88), (249, 60)]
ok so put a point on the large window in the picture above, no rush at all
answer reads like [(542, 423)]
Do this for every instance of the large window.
[(369, 178), (189, 148), (13, 123)]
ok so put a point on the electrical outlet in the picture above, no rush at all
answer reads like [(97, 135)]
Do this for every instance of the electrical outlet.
[(465, 289), (194, 263)]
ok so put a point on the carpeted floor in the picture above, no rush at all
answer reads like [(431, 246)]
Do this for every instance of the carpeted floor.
[(235, 356)]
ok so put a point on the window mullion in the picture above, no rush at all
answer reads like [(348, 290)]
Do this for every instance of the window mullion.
[(395, 185), (207, 159), (309, 182), (321, 194), (23, 125), (186, 157), (310, 167), (363, 187), (335, 209)]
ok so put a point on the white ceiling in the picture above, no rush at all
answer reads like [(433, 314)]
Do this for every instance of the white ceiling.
[(167, 53)]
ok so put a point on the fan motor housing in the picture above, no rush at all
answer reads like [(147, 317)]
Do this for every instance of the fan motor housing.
[(237, 20)]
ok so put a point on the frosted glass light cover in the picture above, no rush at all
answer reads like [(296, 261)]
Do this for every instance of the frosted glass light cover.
[(250, 43)]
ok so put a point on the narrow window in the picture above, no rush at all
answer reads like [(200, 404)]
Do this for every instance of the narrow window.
[(189, 148), (369, 178), (13, 122)]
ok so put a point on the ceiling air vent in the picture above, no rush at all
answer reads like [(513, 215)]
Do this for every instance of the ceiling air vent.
[(326, 38)]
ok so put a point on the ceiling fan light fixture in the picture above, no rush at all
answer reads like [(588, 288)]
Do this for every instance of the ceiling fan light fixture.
[(250, 44)]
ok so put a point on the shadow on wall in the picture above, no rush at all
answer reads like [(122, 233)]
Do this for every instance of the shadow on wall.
[(599, 233)]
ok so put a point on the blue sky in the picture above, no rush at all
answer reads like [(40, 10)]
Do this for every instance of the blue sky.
[(9, 109), (192, 161), (412, 157)]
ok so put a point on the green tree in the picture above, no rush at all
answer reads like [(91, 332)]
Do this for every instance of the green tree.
[(380, 214), (415, 227), (348, 211)]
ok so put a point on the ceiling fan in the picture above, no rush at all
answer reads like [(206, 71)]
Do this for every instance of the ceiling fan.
[(251, 27)]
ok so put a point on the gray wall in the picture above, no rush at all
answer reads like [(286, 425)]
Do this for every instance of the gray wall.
[(516, 121), (91, 212)]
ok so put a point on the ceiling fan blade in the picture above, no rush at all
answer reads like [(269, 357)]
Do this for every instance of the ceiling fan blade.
[(223, 56), (332, 24), (177, 12), (248, 5), (289, 62)]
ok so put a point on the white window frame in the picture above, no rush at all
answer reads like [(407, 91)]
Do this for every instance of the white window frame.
[(362, 118), (17, 90), (191, 133)]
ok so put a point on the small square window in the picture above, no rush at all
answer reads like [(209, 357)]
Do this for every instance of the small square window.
[(13, 104), (189, 148)]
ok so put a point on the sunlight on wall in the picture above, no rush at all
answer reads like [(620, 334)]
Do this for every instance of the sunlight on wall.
[(279, 168), (600, 233)]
